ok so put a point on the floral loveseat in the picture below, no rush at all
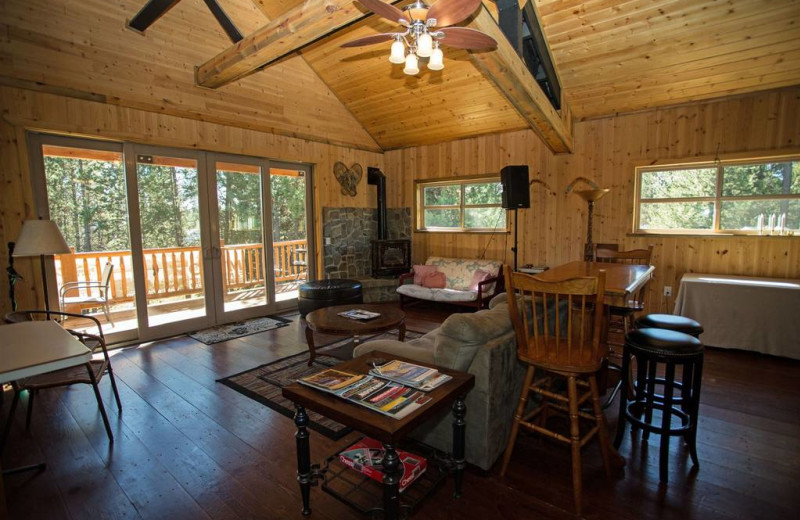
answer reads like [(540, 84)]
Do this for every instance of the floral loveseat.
[(466, 282)]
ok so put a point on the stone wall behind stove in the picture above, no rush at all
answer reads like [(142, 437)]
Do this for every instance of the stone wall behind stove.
[(351, 232)]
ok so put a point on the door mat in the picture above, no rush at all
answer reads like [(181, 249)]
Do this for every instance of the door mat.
[(264, 383), (240, 328)]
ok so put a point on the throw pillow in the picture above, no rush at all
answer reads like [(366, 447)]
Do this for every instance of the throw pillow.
[(421, 271), (435, 280), (479, 276)]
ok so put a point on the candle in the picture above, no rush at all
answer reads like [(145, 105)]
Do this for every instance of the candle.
[(771, 224), (783, 224), (760, 224)]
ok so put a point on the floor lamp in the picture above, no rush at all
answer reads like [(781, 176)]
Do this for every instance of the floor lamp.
[(40, 238), (590, 196)]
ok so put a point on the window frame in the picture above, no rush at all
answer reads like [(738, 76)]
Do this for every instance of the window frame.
[(420, 207), (717, 199)]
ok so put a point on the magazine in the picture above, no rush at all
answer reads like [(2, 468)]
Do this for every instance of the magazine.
[(360, 314), (366, 456), (383, 396), (415, 376)]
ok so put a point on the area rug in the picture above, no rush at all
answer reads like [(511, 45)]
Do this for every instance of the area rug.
[(264, 383), (240, 328)]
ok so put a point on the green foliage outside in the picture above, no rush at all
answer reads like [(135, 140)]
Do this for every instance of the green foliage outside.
[(748, 180), (475, 194), (88, 201)]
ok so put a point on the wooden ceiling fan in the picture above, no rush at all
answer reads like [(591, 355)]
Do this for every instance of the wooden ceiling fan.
[(425, 29)]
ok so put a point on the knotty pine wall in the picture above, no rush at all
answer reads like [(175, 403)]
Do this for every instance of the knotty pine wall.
[(25, 109), (606, 151)]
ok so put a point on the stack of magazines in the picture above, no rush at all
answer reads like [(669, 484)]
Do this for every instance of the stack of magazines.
[(392, 398), (360, 314), (409, 374)]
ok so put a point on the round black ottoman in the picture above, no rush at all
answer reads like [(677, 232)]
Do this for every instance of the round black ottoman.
[(324, 293)]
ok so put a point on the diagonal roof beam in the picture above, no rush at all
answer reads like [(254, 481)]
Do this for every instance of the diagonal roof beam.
[(511, 76), (302, 25)]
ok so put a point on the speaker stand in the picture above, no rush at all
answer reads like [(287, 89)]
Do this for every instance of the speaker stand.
[(516, 237)]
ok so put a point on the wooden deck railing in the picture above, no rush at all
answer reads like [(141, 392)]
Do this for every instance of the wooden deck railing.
[(177, 271)]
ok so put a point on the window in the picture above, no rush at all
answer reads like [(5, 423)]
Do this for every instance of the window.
[(462, 205), (745, 197)]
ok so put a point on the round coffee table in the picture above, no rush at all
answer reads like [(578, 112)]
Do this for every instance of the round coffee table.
[(328, 321)]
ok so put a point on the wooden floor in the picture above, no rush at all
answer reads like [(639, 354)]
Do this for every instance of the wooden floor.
[(190, 448)]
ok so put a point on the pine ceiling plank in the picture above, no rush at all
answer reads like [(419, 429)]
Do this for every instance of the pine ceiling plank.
[(285, 34)]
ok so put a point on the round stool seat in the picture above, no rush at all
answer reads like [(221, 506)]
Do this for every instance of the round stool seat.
[(662, 342), (325, 293), (670, 322)]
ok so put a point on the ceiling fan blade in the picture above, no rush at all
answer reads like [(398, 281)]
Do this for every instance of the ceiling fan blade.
[(223, 19), (449, 12), (466, 38), (152, 11), (369, 40), (385, 10)]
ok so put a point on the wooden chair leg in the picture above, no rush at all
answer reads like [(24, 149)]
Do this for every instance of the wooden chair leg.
[(100, 405), (575, 442), (602, 429), (512, 438)]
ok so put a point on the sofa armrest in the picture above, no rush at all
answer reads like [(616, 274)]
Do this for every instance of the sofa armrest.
[(404, 277), (416, 352)]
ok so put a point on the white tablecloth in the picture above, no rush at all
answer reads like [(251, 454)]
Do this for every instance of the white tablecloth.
[(760, 314)]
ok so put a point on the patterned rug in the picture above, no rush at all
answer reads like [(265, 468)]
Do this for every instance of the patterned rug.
[(264, 383), (240, 328)]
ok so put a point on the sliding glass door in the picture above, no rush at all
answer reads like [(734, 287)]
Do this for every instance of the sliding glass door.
[(196, 238)]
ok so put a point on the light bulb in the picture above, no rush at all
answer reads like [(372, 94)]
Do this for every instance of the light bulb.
[(412, 65), (437, 59), (424, 45), (398, 52)]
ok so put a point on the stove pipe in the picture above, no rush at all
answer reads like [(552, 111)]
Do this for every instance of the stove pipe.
[(375, 176)]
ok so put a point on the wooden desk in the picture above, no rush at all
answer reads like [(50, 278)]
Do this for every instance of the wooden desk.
[(388, 430), (743, 312), (33, 348), (622, 280)]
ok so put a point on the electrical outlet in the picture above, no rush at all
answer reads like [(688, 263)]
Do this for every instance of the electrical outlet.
[(667, 291), (327, 241)]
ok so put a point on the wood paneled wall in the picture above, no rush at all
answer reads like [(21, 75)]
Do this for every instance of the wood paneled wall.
[(606, 151), (26, 109)]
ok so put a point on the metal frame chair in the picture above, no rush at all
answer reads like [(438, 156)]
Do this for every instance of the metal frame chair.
[(90, 373), (103, 287)]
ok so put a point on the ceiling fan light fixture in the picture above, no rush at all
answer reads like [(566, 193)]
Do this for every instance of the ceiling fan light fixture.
[(398, 54), (412, 64), (424, 45), (436, 61), (418, 11)]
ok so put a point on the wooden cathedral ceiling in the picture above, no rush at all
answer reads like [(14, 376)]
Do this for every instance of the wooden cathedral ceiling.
[(612, 56)]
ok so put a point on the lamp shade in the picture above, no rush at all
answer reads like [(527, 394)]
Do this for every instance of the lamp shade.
[(40, 237)]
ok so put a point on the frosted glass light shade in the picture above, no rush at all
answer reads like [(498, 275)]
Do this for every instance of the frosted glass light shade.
[(398, 52), (424, 45), (437, 59), (412, 64), (40, 237)]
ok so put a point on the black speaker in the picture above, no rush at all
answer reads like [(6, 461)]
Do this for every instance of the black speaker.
[(516, 191)]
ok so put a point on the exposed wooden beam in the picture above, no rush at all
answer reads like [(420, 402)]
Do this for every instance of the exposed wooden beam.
[(297, 28), (512, 77)]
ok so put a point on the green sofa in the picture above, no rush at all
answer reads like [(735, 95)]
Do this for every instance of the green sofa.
[(481, 343)]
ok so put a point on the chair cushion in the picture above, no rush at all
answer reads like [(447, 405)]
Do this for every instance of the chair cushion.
[(437, 295), (662, 342), (670, 322)]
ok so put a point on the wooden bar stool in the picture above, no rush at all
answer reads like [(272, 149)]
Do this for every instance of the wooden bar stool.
[(653, 347)]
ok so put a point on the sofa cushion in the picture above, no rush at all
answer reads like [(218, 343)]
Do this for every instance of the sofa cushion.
[(436, 295), (479, 276), (421, 271), (435, 280), (459, 271), (461, 335)]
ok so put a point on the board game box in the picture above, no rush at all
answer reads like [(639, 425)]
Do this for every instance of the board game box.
[(366, 456)]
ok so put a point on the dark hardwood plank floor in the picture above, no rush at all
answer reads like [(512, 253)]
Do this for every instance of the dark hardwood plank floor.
[(189, 448)]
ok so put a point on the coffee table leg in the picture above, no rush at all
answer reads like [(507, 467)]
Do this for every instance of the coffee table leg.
[(459, 442), (401, 331), (310, 341), (391, 483), (303, 457)]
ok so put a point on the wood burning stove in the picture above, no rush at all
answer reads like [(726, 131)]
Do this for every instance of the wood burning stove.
[(389, 257)]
